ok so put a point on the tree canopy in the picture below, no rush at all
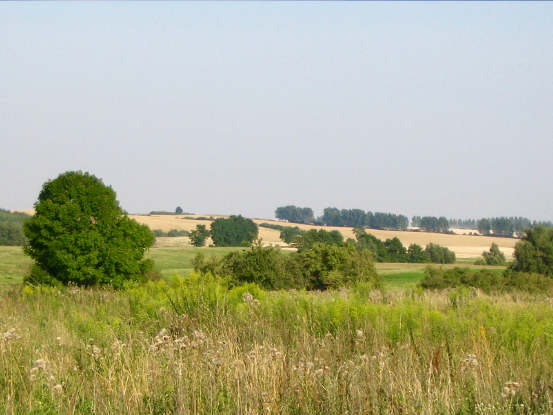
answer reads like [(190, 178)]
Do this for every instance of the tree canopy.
[(233, 231), (534, 253), (79, 234)]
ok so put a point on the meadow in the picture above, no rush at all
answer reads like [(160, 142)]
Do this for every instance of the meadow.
[(189, 344)]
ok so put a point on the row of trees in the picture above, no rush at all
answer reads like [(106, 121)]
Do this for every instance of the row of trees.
[(503, 226), (11, 227), (295, 214), (358, 217)]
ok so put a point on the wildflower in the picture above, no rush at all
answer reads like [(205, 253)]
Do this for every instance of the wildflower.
[(40, 364), (360, 334), (510, 389), (198, 334), (58, 388), (51, 379), (10, 335)]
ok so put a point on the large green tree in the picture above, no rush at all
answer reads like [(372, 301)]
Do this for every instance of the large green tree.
[(79, 234)]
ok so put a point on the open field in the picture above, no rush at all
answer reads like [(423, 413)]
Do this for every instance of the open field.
[(191, 346), (464, 246)]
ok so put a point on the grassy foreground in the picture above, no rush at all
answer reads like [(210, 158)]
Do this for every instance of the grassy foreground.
[(191, 346)]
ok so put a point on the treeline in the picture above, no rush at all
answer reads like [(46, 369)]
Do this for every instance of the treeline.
[(11, 227), (508, 227), (343, 217)]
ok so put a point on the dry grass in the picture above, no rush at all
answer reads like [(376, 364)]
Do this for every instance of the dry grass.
[(213, 351)]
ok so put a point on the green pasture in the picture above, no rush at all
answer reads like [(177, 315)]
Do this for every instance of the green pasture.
[(14, 265)]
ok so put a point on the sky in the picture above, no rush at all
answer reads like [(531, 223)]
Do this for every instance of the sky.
[(413, 108)]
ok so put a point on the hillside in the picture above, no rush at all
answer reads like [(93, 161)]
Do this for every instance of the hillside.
[(464, 245)]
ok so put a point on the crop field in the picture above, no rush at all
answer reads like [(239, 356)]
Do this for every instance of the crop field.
[(464, 245)]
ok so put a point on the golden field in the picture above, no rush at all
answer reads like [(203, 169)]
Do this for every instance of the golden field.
[(464, 245)]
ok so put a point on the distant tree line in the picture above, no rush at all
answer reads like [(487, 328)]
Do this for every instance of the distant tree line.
[(295, 214), (358, 217), (508, 227), (11, 228), (462, 223)]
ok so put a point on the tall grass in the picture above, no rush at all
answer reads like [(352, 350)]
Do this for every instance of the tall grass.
[(190, 345)]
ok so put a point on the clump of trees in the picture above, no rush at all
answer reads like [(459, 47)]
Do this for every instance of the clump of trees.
[(392, 250), (11, 228), (289, 234), (434, 224), (493, 257), (295, 214), (307, 239), (80, 235), (507, 227), (358, 217), (233, 231), (321, 267)]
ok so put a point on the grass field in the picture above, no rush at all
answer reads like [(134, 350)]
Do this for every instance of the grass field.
[(14, 265), (191, 346)]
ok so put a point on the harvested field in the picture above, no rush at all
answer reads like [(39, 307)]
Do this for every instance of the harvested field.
[(464, 245)]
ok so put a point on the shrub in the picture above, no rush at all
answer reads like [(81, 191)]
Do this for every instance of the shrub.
[(493, 257), (199, 235), (306, 240)]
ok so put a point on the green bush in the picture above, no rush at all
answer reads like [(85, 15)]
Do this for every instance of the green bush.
[(306, 240), (493, 257)]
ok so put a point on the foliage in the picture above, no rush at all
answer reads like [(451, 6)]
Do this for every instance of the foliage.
[(158, 233), (439, 254), (534, 253), (199, 235), (434, 224), (11, 228), (272, 226), (417, 254), (289, 234), (493, 257), (331, 266), (306, 240), (233, 231), (264, 266), (179, 210), (295, 214), (80, 235), (486, 280), (358, 218)]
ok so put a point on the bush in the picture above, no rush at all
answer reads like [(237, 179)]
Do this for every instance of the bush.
[(264, 266), (233, 231), (493, 257), (80, 235), (289, 234)]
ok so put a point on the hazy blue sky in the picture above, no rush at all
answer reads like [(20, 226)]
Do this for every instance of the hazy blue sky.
[(424, 108)]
